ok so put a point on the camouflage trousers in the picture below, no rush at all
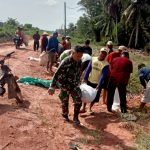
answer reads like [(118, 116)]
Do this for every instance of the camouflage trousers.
[(76, 96)]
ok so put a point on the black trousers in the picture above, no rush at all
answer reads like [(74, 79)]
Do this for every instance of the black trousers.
[(36, 45), (122, 94)]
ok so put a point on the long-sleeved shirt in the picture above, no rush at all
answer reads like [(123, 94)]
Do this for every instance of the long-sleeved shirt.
[(120, 70), (112, 56), (44, 42), (101, 70), (52, 44), (67, 75), (36, 37), (144, 75)]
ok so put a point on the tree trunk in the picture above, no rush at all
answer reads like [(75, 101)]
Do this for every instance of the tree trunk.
[(131, 37), (97, 35), (136, 35), (116, 31)]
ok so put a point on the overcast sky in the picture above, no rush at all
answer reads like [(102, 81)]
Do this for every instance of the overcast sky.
[(44, 14)]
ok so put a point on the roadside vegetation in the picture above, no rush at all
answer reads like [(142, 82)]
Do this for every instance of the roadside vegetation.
[(8, 28), (124, 22)]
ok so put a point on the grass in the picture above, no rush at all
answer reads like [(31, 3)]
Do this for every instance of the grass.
[(142, 137), (143, 141), (140, 128), (90, 136), (134, 85)]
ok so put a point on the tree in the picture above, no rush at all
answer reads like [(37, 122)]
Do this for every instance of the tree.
[(28, 26), (84, 27), (71, 28), (12, 22), (136, 19), (92, 9)]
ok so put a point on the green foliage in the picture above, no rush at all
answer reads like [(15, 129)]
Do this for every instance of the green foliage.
[(143, 140), (136, 17), (134, 85), (124, 22), (84, 28), (8, 28)]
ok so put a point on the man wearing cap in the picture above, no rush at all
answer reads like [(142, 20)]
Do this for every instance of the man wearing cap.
[(109, 46), (120, 70), (116, 53), (52, 50), (67, 78), (94, 76)]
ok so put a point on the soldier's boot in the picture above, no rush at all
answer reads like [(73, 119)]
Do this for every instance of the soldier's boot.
[(65, 112), (76, 114)]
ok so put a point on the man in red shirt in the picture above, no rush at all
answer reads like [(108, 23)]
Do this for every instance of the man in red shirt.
[(116, 53), (120, 70)]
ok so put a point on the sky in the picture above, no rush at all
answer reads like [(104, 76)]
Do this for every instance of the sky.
[(44, 14)]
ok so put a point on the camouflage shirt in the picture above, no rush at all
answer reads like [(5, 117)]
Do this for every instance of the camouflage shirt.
[(68, 74)]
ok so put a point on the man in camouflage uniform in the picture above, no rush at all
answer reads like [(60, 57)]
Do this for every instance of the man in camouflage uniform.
[(67, 78)]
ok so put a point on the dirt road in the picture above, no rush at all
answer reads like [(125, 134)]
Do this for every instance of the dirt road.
[(40, 126)]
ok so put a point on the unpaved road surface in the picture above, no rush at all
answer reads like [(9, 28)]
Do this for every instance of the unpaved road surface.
[(40, 125)]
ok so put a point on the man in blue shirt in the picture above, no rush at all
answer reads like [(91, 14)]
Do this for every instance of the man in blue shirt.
[(52, 50), (144, 76)]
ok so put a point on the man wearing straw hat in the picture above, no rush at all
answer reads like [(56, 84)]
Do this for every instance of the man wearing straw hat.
[(44, 41)]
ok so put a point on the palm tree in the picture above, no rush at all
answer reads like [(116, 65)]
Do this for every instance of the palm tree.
[(92, 9), (135, 17), (109, 18)]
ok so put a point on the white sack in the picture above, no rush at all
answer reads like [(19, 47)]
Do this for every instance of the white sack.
[(116, 102), (88, 93), (43, 59), (146, 97)]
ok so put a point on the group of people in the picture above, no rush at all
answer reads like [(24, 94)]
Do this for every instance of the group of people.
[(46, 43), (99, 73), (109, 70), (51, 46)]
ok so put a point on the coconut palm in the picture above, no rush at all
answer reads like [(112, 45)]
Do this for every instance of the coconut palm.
[(135, 17), (109, 18)]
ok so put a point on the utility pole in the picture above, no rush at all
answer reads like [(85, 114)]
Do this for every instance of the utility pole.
[(64, 18)]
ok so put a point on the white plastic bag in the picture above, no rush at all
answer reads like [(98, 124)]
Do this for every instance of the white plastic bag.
[(146, 96), (116, 102), (34, 59), (88, 93), (43, 59)]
